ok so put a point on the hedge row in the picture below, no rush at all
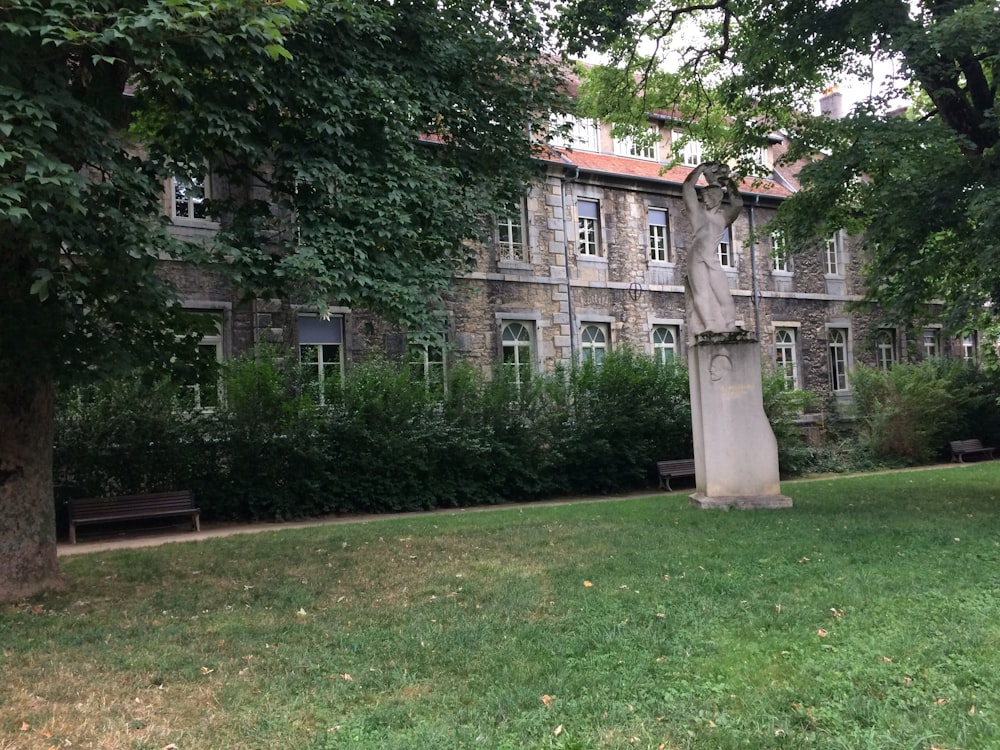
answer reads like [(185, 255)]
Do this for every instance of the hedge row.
[(380, 443)]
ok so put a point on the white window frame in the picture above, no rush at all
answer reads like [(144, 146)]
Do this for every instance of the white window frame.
[(692, 151), (595, 342), (215, 342), (428, 361), (786, 359), (780, 260), (319, 338), (970, 348), (626, 146), (517, 349), (838, 358), (931, 342), (589, 228), (185, 210), (584, 135), (660, 249), (665, 343), (834, 255), (511, 237), (726, 255), (885, 348)]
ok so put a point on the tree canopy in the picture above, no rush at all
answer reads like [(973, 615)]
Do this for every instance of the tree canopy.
[(359, 145), (921, 187)]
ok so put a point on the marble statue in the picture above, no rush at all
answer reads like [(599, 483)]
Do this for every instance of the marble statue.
[(712, 309)]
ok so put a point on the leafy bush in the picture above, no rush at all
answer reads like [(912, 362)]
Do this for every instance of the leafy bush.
[(782, 406), (908, 412)]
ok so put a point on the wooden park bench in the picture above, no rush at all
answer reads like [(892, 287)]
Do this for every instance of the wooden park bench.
[(683, 467), (93, 510), (972, 448)]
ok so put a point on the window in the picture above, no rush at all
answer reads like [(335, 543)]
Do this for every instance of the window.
[(581, 134), (834, 255), (690, 153), (779, 254), (321, 354), (628, 146), (885, 349), (659, 236), (427, 364), (593, 343), (932, 347), (726, 251), (188, 198), (969, 348), (664, 343), (203, 391), (588, 213), (837, 346), (785, 360), (510, 234), (517, 347)]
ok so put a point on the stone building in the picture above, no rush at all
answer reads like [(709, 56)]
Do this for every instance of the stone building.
[(591, 260)]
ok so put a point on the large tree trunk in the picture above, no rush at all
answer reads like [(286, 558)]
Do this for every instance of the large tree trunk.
[(28, 563)]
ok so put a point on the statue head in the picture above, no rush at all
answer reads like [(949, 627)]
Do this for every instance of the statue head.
[(712, 196)]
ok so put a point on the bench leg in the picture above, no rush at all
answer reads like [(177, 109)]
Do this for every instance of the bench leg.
[(72, 533), (196, 522)]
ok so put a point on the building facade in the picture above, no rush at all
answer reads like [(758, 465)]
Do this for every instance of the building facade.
[(593, 259)]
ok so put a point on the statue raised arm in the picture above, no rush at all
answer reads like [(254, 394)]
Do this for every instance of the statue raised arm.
[(712, 305)]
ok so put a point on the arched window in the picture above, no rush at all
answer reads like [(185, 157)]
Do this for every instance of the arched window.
[(517, 347), (593, 343), (785, 361), (664, 343)]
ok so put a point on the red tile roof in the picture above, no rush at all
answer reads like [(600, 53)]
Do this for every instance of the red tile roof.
[(624, 166)]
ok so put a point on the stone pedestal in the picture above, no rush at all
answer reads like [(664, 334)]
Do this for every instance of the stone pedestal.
[(735, 453)]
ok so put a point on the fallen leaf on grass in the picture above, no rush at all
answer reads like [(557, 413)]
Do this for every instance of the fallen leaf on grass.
[(803, 559), (206, 670), (887, 659), (558, 730), (547, 700), (25, 726), (940, 701), (346, 677), (587, 584), (822, 633)]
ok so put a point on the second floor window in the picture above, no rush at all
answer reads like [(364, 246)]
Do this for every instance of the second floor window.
[(589, 225), (510, 234), (659, 235), (779, 254), (726, 251), (834, 256), (188, 198), (576, 133)]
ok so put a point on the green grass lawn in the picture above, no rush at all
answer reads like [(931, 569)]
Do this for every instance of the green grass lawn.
[(867, 616)]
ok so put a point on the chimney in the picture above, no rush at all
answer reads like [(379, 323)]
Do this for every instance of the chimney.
[(831, 104)]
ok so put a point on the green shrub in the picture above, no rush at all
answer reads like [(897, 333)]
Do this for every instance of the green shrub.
[(907, 412), (782, 406)]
